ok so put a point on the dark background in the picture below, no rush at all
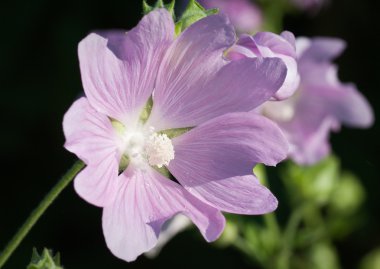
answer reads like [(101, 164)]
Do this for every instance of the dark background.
[(39, 79)]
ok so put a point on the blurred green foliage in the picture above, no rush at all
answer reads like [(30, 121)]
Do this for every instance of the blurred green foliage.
[(325, 205), (40, 78), (372, 260)]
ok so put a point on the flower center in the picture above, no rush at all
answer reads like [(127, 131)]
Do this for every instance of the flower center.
[(134, 144), (159, 150), (146, 146)]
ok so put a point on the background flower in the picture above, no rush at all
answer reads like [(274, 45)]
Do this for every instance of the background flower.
[(320, 105), (244, 14)]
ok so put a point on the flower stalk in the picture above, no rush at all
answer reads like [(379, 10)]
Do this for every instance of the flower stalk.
[(37, 213)]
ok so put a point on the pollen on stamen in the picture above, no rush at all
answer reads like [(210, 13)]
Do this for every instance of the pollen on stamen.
[(159, 150)]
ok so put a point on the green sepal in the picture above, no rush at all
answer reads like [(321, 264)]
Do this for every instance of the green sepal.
[(163, 171), (178, 28), (171, 133), (45, 261), (118, 126), (193, 12), (170, 7), (146, 8), (145, 113), (159, 4), (124, 162)]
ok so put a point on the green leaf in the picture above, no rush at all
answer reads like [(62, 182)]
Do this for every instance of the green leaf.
[(45, 261), (193, 12)]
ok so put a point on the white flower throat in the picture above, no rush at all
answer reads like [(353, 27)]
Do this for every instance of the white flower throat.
[(281, 111), (143, 145)]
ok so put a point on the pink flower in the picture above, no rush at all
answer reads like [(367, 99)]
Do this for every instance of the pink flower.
[(270, 45), (320, 105), (244, 15), (192, 86)]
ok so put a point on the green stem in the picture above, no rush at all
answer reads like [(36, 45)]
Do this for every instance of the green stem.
[(269, 219), (242, 245), (272, 223), (37, 213), (288, 238)]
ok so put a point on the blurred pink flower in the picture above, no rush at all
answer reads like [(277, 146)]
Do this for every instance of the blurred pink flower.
[(244, 15), (310, 5), (192, 86), (321, 104)]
